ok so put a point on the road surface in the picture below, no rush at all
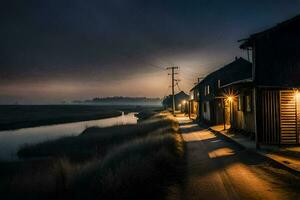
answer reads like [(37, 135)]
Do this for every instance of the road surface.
[(217, 169)]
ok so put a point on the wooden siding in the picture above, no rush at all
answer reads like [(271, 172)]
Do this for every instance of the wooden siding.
[(206, 114), (219, 111), (277, 57), (279, 118), (270, 121), (241, 118)]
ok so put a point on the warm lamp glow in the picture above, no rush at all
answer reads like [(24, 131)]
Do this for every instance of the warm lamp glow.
[(179, 104), (230, 98), (229, 95), (184, 102), (297, 94)]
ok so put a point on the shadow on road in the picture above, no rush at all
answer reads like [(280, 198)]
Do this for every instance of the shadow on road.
[(221, 169)]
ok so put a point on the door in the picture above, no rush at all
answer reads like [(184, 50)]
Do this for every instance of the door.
[(289, 117)]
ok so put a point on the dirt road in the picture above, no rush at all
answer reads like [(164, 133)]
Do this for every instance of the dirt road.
[(217, 169)]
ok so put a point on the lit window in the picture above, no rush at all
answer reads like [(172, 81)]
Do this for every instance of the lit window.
[(207, 89), (219, 83), (192, 95)]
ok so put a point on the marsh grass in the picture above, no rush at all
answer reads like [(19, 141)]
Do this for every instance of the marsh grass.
[(145, 114), (136, 162), (139, 169), (94, 141)]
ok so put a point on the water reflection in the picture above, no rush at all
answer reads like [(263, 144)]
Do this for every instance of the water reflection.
[(11, 140)]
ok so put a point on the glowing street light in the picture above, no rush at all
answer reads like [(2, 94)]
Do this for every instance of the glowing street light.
[(230, 98)]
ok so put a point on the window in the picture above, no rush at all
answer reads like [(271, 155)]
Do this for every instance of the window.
[(192, 95), (248, 103), (240, 103), (207, 89), (219, 83)]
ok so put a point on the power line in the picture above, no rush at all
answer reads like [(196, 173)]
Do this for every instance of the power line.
[(178, 86), (166, 92)]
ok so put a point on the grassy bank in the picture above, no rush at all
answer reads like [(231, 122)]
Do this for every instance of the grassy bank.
[(22, 116), (94, 141), (122, 162), (145, 114)]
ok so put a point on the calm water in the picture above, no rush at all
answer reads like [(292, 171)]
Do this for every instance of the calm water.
[(10, 141)]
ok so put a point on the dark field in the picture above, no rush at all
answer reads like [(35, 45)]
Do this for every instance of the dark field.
[(22, 116), (121, 162)]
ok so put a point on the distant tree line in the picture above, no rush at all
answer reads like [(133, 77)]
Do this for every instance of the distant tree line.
[(119, 99)]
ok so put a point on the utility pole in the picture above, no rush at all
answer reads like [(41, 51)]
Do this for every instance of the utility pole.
[(173, 85)]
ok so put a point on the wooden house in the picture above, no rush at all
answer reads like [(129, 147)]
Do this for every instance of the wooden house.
[(209, 95), (181, 100), (241, 109), (276, 81), (193, 103)]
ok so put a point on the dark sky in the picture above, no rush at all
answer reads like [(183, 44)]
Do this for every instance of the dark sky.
[(69, 49)]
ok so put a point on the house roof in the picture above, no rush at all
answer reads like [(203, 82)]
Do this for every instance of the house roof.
[(180, 94), (194, 87), (239, 69), (248, 42)]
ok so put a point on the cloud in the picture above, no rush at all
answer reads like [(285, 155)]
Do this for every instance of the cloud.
[(73, 41)]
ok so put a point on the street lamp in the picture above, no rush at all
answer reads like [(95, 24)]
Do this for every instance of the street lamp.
[(228, 97), (230, 100)]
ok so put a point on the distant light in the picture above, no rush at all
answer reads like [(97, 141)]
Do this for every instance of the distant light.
[(184, 102), (192, 96), (179, 104)]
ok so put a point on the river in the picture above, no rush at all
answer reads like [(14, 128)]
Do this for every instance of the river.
[(12, 140)]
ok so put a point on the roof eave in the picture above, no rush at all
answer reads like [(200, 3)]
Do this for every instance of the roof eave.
[(246, 43), (244, 81)]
